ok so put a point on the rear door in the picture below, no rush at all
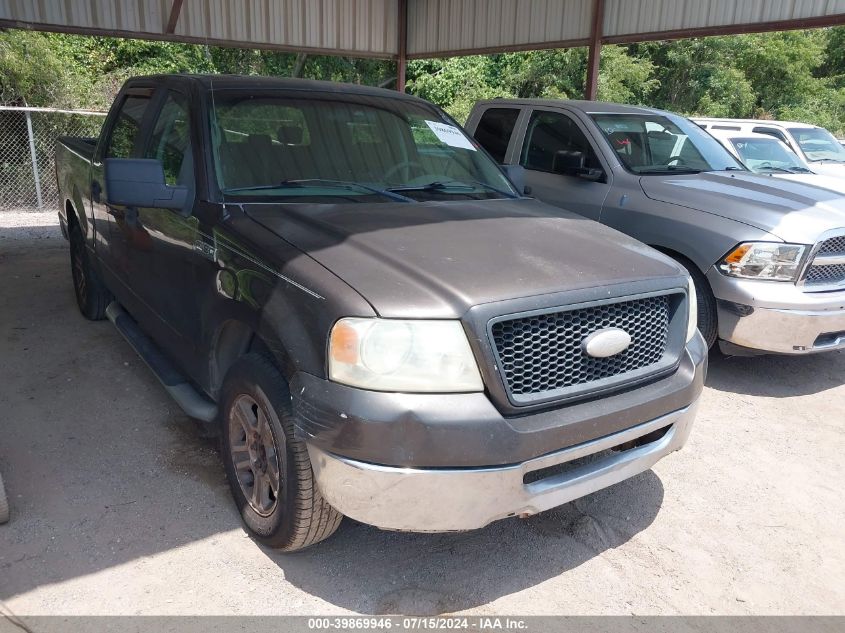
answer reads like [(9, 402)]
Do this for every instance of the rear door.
[(550, 134)]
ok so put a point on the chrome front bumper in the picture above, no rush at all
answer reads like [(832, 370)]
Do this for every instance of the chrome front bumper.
[(778, 317), (444, 500)]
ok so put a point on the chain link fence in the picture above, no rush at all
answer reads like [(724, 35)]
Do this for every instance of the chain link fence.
[(27, 152)]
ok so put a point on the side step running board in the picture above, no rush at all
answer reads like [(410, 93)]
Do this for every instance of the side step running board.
[(186, 396)]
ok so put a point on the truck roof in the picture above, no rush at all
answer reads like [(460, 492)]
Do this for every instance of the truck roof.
[(753, 121), (251, 82), (590, 107)]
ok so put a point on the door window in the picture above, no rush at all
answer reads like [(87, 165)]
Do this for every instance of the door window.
[(124, 133), (170, 142), (551, 133), (494, 131)]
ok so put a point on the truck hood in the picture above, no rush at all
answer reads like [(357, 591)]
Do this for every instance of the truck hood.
[(438, 259), (791, 210), (817, 180), (834, 170)]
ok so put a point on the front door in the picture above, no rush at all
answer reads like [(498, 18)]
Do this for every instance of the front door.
[(161, 243), (549, 136), (121, 138)]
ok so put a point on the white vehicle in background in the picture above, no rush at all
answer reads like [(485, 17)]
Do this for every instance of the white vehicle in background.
[(769, 156), (818, 147)]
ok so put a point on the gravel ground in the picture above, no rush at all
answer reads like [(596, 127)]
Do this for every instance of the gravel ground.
[(121, 507)]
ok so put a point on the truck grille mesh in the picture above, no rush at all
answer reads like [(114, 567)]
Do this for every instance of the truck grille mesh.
[(831, 275), (542, 353), (833, 246), (824, 275)]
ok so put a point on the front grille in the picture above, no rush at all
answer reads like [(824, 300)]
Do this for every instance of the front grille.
[(541, 354), (825, 275), (832, 246)]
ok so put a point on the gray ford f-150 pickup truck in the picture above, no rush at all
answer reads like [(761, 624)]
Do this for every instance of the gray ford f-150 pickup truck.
[(767, 255), (381, 325)]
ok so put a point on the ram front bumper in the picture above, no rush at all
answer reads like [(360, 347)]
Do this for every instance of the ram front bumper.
[(778, 317)]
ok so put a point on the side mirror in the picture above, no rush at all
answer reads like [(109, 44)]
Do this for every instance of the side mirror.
[(568, 162), (572, 163), (139, 182), (516, 174)]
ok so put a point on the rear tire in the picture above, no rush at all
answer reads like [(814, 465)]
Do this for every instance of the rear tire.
[(92, 296), (708, 323), (268, 469), (4, 503)]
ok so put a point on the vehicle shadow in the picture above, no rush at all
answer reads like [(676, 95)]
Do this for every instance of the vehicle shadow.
[(776, 376), (376, 572)]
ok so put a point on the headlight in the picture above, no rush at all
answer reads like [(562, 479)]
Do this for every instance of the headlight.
[(408, 356), (692, 319), (762, 260)]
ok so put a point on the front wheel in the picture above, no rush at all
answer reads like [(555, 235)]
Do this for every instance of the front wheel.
[(268, 469), (4, 503), (708, 323)]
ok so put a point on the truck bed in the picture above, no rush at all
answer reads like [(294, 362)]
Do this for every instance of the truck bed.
[(73, 170)]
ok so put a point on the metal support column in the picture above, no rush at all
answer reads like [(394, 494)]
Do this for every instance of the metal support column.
[(34, 157), (402, 59), (594, 57)]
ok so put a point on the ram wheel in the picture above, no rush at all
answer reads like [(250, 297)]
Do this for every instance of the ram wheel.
[(708, 323), (268, 469)]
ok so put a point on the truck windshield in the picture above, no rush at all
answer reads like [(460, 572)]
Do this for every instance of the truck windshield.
[(818, 144), (765, 155), (345, 148), (656, 144)]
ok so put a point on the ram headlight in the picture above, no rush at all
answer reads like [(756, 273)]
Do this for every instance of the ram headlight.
[(407, 356), (764, 260)]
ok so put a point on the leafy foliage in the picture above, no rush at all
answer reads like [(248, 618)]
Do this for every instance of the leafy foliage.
[(790, 75)]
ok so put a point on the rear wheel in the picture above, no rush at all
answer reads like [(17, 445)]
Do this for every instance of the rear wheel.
[(92, 296), (268, 469)]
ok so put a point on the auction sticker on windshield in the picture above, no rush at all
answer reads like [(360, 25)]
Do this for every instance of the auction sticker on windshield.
[(450, 135)]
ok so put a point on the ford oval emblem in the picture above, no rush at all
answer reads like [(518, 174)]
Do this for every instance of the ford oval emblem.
[(606, 343)]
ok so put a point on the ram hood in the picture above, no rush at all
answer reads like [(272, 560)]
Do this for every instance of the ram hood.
[(438, 259), (791, 210)]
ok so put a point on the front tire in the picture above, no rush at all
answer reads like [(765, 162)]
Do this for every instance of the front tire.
[(708, 323), (4, 503), (92, 296), (268, 469)]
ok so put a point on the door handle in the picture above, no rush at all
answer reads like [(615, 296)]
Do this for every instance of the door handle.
[(96, 189)]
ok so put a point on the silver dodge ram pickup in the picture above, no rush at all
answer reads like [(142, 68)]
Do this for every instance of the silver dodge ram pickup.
[(767, 255)]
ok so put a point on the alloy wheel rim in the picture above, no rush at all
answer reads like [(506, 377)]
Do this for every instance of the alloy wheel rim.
[(254, 454)]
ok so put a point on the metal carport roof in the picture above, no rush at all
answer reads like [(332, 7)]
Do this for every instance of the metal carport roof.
[(401, 29)]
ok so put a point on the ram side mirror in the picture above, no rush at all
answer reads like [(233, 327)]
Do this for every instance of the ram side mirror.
[(572, 163), (139, 182), (516, 174)]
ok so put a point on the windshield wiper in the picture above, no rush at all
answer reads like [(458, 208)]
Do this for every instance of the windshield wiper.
[(323, 182), (440, 185), (733, 169), (827, 160), (670, 169), (777, 169)]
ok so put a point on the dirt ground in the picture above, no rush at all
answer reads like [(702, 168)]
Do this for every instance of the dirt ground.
[(119, 506)]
